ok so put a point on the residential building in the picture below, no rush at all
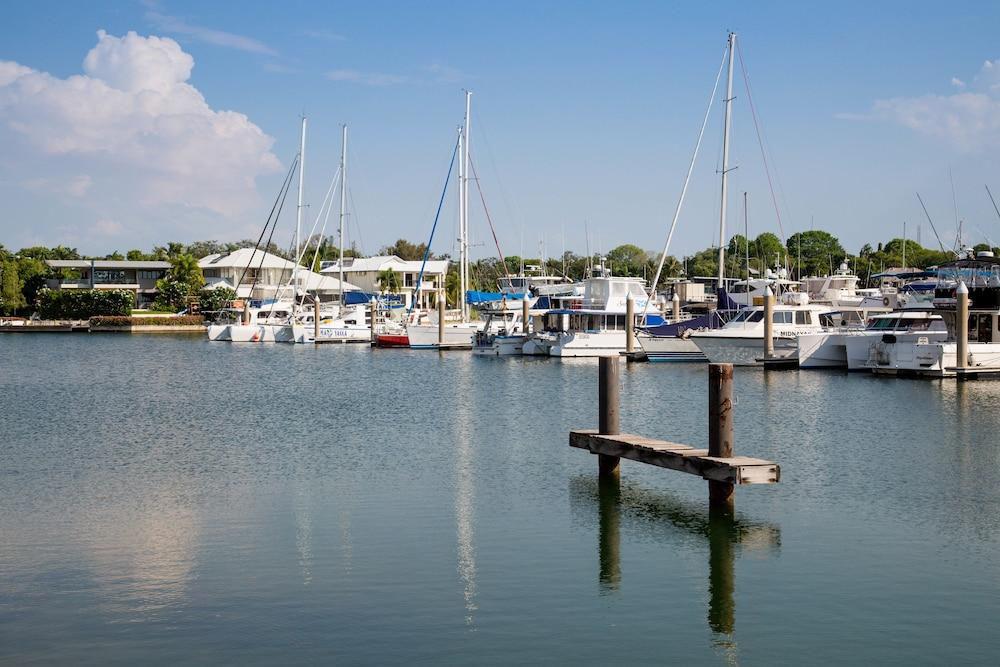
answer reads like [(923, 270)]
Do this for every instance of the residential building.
[(256, 274), (365, 271), (139, 277)]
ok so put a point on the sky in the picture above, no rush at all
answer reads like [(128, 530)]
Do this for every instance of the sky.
[(129, 124)]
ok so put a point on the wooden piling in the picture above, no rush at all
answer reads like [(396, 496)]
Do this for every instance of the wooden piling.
[(962, 325), (629, 325), (316, 320), (720, 429), (374, 308), (441, 306), (525, 314), (609, 405), (246, 311), (675, 308), (768, 324)]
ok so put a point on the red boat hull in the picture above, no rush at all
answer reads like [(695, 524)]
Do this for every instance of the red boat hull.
[(389, 340)]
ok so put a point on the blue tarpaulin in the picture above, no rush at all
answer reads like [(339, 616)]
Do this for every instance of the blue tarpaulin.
[(472, 297)]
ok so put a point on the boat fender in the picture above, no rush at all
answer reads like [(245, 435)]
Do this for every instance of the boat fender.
[(885, 301)]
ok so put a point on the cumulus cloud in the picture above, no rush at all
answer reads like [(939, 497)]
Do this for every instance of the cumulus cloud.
[(967, 120), (131, 122)]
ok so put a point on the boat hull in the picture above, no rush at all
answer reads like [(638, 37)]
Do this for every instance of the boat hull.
[(501, 346), (670, 348), (741, 351), (426, 337), (822, 350), (261, 333), (392, 340), (219, 332)]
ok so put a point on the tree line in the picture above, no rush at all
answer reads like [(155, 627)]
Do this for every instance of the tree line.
[(24, 273)]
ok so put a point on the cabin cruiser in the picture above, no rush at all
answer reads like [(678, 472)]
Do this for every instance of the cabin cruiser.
[(839, 290), (851, 334), (978, 274), (750, 292), (503, 334), (741, 340), (671, 341), (593, 325)]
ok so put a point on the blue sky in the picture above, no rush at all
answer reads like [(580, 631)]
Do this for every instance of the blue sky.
[(585, 115)]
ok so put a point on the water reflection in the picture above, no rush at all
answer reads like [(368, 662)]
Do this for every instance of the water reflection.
[(650, 512), (464, 490)]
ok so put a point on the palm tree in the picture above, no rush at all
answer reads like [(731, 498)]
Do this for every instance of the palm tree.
[(388, 281), (184, 269)]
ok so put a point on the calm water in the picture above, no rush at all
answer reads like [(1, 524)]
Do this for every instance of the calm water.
[(166, 500)]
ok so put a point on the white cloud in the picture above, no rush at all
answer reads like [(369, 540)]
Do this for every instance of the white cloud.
[(107, 227), (133, 127), (208, 35), (967, 120), (326, 35), (367, 78)]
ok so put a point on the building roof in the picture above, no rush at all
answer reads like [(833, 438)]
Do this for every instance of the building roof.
[(239, 259), (383, 262), (106, 264)]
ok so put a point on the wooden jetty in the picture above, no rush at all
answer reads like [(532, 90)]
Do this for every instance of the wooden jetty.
[(718, 464)]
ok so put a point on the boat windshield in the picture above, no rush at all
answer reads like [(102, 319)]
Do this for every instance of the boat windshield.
[(749, 316), (883, 323)]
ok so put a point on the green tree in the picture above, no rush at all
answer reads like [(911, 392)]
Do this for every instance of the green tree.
[(627, 260), (768, 250), (388, 281), (183, 280), (818, 250), (405, 250), (11, 298)]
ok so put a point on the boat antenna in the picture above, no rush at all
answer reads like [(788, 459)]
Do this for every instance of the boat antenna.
[(343, 210), (933, 228)]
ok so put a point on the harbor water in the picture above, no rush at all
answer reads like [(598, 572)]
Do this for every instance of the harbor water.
[(165, 500)]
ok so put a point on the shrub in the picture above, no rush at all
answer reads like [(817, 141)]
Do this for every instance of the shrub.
[(124, 321), (215, 299), (83, 304)]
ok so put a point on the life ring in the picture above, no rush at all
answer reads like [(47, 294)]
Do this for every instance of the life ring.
[(885, 301)]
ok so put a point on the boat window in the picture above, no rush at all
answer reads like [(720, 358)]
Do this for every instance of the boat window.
[(740, 316), (739, 289), (983, 328), (782, 317), (803, 317), (755, 316), (826, 319)]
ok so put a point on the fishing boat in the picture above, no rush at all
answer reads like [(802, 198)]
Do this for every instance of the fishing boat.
[(503, 334)]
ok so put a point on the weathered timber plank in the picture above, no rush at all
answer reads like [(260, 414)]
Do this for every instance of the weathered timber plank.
[(674, 456)]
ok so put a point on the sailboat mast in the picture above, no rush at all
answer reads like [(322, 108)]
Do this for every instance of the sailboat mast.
[(298, 217), (725, 160), (465, 202), (461, 207), (343, 210)]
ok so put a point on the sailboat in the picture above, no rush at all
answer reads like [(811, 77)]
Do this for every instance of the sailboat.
[(455, 335)]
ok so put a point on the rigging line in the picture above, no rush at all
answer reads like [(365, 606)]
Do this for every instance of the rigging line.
[(488, 218), (994, 201), (327, 205), (356, 220), (263, 255), (760, 141), (427, 250), (933, 228), (687, 180), (514, 211), (291, 171)]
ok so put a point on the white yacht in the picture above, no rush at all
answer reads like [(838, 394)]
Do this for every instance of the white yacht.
[(266, 323), (741, 340), (939, 358), (503, 334), (592, 325), (352, 324), (847, 341), (839, 290)]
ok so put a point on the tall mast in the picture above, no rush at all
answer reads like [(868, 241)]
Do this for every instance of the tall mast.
[(465, 202), (298, 218), (725, 160), (461, 206), (343, 209)]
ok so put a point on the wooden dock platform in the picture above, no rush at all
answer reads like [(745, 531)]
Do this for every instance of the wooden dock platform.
[(675, 456)]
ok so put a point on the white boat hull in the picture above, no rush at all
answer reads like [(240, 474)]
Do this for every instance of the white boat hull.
[(822, 350), (425, 336), (588, 344), (219, 332), (261, 333), (670, 348), (741, 351), (333, 334), (501, 346)]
